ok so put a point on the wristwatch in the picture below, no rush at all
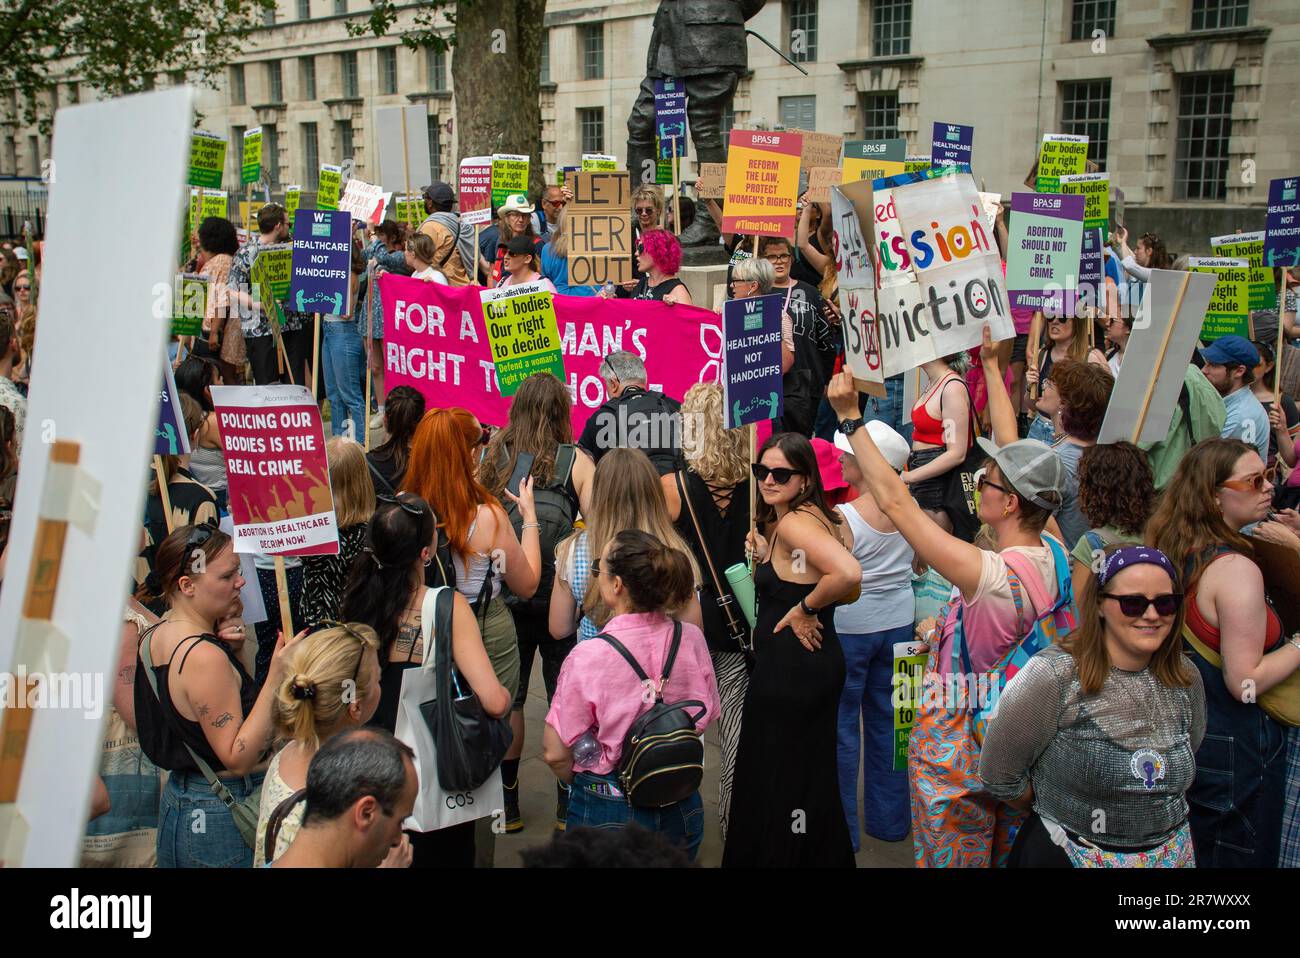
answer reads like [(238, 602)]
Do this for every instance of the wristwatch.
[(807, 609), (850, 426)]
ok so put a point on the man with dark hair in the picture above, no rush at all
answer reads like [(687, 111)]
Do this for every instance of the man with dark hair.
[(10, 397), (1230, 363), (273, 225), (361, 786), (444, 227)]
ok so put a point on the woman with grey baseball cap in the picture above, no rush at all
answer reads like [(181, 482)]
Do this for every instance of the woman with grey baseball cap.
[(1001, 597)]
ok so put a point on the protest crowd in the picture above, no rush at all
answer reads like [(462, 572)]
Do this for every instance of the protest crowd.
[(943, 603)]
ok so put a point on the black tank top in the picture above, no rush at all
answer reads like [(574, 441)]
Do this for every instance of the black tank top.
[(163, 731), (645, 291)]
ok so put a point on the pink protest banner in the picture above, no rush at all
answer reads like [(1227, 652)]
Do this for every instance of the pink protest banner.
[(476, 190), (435, 341), (279, 483)]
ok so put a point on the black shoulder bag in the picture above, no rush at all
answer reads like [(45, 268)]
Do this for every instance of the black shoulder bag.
[(737, 628)]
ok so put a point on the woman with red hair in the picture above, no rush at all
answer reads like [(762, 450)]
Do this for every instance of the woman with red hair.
[(659, 257), (484, 548)]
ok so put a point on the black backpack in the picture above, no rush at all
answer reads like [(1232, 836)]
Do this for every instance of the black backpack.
[(663, 751), (555, 515)]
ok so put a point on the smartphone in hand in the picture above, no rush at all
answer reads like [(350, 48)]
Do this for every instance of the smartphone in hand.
[(523, 466)]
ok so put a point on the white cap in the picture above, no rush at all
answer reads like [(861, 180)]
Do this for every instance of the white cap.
[(891, 445), (20, 252)]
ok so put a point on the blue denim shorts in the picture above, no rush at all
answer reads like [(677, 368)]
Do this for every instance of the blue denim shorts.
[(196, 830), (682, 823)]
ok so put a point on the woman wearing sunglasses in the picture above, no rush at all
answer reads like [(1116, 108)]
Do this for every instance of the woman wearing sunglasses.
[(330, 684), (1097, 733), (1237, 642), (786, 758), (200, 702), (1063, 338), (385, 591), (1000, 597), (755, 277), (658, 258)]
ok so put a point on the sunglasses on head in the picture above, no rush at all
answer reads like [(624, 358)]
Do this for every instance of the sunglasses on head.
[(336, 624), (1254, 484), (1136, 605), (780, 475), (198, 536), (393, 500)]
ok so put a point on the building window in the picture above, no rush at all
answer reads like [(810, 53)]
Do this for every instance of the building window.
[(891, 28), (310, 157), (728, 119), (593, 51), (546, 56), (880, 116), (798, 112), (238, 93), (1215, 14), (307, 77), (802, 31), (268, 17), (437, 61), (1204, 128), (271, 150), (274, 81), (304, 9), (177, 77), (348, 67), (591, 127), (1089, 16), (344, 130), (34, 150), (1085, 111), (340, 7), (74, 92), (388, 70), (435, 147)]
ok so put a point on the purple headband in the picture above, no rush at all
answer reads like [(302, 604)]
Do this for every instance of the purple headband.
[(1128, 556)]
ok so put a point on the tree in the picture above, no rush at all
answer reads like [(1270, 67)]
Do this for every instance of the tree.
[(496, 70), (117, 46)]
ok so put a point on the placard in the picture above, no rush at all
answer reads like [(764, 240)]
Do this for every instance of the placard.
[(951, 143), (916, 163), (820, 181), (327, 189), (1250, 247), (365, 201), (712, 184), (207, 159), (277, 473), (762, 183), (1282, 227), (409, 209), (598, 163), (598, 224), (215, 203), (509, 175), (250, 169), (189, 304), (1095, 190), (522, 332), (475, 183), (1228, 313), (905, 694), (562, 173), (292, 199), (322, 263), (248, 215), (820, 149), (670, 117), (270, 277), (170, 437), (851, 218), (751, 366), (1061, 154), (396, 176), (1043, 251), (872, 159), (663, 167)]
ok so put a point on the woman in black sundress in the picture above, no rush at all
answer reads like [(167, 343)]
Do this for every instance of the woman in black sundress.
[(325, 576), (785, 807)]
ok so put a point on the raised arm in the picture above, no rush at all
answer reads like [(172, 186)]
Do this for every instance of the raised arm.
[(1002, 416)]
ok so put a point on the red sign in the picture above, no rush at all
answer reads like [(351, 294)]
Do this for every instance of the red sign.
[(476, 190)]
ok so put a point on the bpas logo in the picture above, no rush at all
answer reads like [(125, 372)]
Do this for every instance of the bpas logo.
[(76, 911), (873, 148), (1046, 202)]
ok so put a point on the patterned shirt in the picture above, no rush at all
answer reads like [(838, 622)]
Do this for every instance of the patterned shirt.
[(324, 577), (256, 323), (16, 403)]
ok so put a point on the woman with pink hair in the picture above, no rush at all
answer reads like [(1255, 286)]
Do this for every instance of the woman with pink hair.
[(659, 256)]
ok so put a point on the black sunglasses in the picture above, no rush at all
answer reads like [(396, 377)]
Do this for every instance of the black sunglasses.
[(336, 624), (1136, 605), (779, 475), (195, 540), (986, 481), (393, 500)]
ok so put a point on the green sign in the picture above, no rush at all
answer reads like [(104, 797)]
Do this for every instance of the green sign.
[(207, 159), (270, 275), (250, 171), (599, 163), (189, 304), (663, 168), (327, 191), (1229, 311), (214, 204), (1062, 154), (523, 333), (1095, 189), (1250, 247), (292, 197), (916, 163), (410, 209), (905, 695), (509, 175)]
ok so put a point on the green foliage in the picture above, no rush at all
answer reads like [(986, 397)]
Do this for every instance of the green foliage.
[(421, 36)]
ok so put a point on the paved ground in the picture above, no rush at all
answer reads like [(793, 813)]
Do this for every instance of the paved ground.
[(537, 800)]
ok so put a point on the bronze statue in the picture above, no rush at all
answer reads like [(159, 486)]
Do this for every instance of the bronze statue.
[(703, 43)]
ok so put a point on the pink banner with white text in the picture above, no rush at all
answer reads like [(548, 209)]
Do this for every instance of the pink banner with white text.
[(436, 341)]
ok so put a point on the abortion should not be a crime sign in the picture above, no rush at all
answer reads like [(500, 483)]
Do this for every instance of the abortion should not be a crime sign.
[(523, 333), (751, 368), (1043, 251), (279, 481)]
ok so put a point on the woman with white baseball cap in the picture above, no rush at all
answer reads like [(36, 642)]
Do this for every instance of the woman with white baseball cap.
[(514, 218), (869, 629), (1002, 598)]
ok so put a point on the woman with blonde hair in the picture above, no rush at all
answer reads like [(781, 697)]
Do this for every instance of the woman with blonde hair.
[(420, 256), (354, 502), (625, 494), (709, 503), (330, 684)]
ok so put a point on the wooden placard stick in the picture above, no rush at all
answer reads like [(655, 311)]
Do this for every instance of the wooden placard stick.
[(1032, 349), (315, 359), (406, 177), (282, 596), (1160, 360), (370, 345), (1281, 337), (160, 471), (677, 190)]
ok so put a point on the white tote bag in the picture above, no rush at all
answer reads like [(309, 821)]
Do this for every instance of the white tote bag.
[(435, 807)]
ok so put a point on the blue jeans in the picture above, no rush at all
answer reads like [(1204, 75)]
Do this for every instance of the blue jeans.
[(1041, 429), (869, 670), (344, 364), (889, 409), (682, 823), (196, 830)]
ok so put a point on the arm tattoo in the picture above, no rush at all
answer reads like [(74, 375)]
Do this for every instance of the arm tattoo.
[(203, 711), (127, 675), (410, 641), (239, 742), (222, 720)]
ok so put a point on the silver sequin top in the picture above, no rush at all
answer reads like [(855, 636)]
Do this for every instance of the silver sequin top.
[(1112, 767)]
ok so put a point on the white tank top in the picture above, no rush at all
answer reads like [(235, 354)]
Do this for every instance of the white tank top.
[(886, 560)]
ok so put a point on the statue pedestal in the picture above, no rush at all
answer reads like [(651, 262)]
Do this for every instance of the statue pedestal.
[(707, 283)]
